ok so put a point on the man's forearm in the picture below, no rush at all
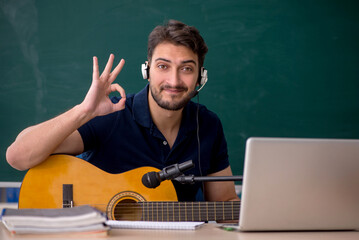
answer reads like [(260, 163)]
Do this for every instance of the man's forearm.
[(34, 144)]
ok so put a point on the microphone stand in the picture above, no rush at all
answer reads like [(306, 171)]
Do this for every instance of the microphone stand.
[(174, 172), (191, 179)]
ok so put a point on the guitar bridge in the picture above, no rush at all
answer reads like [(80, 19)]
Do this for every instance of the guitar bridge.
[(67, 196)]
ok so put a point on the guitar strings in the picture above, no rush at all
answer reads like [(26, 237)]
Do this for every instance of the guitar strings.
[(175, 211), (194, 205), (158, 210)]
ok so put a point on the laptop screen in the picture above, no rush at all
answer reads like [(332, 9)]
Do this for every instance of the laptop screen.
[(300, 184)]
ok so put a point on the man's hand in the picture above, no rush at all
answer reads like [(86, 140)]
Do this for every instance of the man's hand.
[(97, 102)]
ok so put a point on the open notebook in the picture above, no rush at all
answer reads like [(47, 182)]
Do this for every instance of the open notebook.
[(154, 225), (300, 184)]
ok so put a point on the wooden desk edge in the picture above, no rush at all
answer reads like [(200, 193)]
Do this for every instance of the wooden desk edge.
[(208, 231)]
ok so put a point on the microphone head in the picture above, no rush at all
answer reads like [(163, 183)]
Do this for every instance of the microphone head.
[(150, 180)]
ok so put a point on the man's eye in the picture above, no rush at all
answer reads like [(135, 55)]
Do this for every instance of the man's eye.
[(187, 69), (161, 66)]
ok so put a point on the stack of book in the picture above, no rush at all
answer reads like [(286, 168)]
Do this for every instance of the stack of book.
[(77, 220)]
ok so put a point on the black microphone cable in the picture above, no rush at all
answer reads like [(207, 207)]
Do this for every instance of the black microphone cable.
[(199, 146)]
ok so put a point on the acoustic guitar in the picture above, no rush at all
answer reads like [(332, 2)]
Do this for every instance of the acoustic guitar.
[(66, 181)]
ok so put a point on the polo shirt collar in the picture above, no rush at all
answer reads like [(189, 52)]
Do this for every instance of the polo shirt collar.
[(141, 112)]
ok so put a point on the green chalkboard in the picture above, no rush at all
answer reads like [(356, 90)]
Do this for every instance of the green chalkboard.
[(276, 68)]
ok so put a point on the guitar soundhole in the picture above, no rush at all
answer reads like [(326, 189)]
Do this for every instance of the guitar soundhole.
[(128, 210), (125, 206)]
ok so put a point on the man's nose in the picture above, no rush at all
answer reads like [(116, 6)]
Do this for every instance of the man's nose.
[(174, 77)]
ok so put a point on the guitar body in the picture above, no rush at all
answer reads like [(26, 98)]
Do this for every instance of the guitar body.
[(42, 186)]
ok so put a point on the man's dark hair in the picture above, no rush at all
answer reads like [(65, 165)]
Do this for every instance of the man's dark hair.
[(177, 33)]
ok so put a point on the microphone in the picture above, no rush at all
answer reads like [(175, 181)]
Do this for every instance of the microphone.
[(196, 91), (154, 179)]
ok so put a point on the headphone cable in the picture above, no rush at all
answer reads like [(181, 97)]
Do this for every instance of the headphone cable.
[(199, 146)]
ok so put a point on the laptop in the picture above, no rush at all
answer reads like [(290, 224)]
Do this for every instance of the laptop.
[(292, 184)]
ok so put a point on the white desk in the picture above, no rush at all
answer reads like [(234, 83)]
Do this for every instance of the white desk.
[(207, 232)]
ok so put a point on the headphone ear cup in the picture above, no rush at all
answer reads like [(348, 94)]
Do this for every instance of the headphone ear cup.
[(204, 76), (145, 71)]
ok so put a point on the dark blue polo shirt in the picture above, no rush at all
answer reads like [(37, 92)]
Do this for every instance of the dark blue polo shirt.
[(129, 139)]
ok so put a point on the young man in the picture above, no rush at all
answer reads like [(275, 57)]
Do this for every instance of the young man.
[(155, 127)]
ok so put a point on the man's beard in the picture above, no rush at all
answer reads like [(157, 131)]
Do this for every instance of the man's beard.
[(170, 105)]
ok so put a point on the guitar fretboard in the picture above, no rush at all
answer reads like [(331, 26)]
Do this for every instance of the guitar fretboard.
[(181, 211)]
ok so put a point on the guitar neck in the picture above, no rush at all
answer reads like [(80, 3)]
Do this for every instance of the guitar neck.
[(190, 211)]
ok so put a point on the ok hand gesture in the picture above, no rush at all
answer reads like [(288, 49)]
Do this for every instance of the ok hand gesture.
[(97, 101)]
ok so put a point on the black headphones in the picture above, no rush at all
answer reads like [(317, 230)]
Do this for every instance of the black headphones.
[(202, 79)]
